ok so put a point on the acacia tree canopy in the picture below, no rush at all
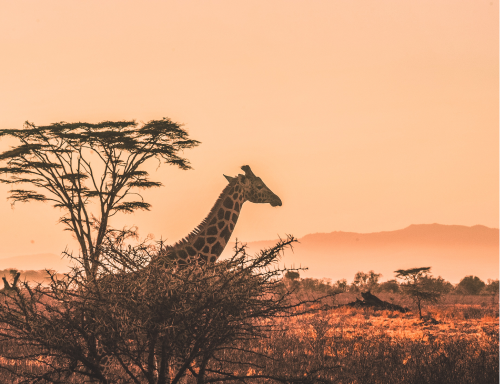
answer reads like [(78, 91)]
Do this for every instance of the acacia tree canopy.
[(419, 286), (75, 164)]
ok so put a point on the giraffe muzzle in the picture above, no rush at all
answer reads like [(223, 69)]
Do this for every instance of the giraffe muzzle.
[(276, 202)]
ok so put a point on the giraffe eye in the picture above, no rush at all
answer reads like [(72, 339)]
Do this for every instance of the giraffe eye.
[(259, 186)]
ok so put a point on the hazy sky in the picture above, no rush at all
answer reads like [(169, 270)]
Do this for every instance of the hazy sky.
[(362, 116)]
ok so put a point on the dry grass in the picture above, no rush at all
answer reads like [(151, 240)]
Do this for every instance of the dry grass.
[(349, 345)]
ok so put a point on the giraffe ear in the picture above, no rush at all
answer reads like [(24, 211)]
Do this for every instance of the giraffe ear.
[(229, 178)]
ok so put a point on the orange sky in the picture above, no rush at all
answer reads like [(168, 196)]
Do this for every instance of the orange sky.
[(361, 116)]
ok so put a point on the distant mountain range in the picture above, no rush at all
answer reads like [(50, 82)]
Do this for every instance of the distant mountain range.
[(453, 251)]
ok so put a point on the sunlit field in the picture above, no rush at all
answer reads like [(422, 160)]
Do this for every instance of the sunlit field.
[(455, 342), (368, 346)]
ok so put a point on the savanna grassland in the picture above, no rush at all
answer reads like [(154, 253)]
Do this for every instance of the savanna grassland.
[(455, 342)]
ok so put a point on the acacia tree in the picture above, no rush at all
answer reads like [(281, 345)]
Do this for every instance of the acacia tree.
[(419, 286), (75, 164)]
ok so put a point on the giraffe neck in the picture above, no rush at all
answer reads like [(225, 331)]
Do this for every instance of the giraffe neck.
[(207, 241)]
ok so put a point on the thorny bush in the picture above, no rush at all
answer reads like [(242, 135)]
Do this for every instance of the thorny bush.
[(150, 324)]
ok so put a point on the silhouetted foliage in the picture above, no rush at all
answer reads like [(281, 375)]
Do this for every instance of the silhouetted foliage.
[(340, 285), (152, 324), (75, 164), (292, 275), (436, 284), (471, 285), (365, 281), (316, 285), (388, 286), (491, 288), (419, 286), (311, 285)]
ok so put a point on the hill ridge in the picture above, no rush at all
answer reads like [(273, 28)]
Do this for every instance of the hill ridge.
[(452, 251)]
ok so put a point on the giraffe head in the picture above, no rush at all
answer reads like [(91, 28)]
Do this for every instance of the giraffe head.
[(254, 189)]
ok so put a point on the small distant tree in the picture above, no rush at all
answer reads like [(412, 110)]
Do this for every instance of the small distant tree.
[(73, 165), (389, 286), (341, 285), (471, 285), (416, 285), (493, 288), (365, 281), (316, 285), (436, 284), (291, 280)]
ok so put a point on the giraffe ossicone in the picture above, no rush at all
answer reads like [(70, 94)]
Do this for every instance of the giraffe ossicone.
[(7, 288), (207, 241)]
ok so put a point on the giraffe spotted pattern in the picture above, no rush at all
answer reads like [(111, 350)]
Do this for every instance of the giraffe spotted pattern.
[(208, 240)]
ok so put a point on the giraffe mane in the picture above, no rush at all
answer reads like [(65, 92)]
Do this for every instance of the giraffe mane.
[(199, 227)]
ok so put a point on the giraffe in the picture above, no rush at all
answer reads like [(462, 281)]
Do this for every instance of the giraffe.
[(207, 241), (7, 288)]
